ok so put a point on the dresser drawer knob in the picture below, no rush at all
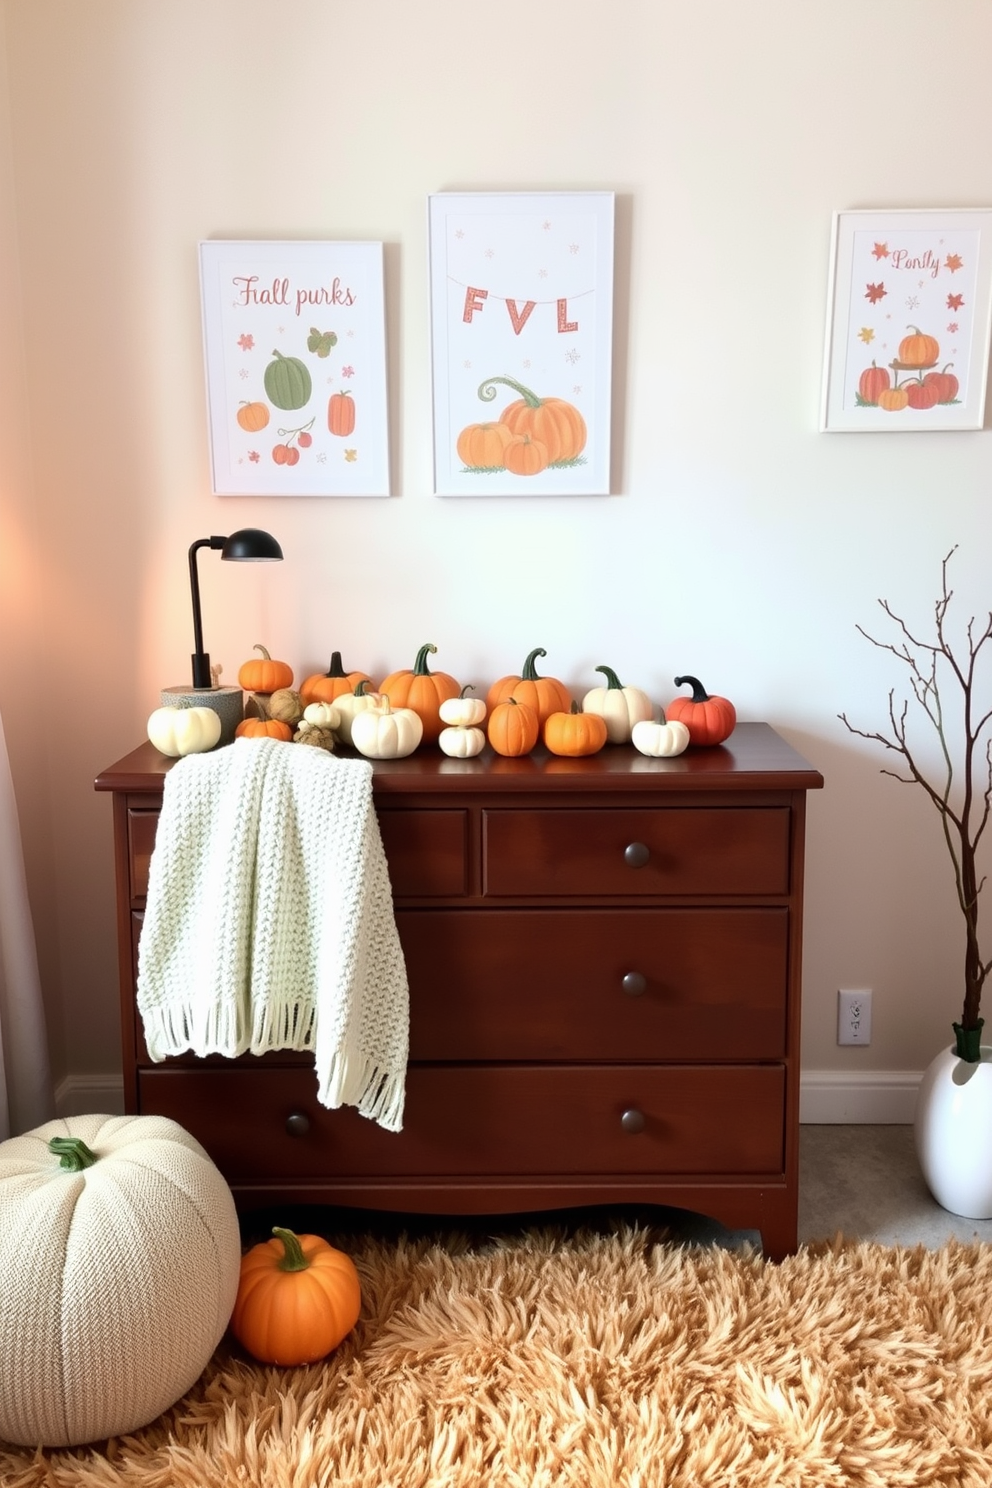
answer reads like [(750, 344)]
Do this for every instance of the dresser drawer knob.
[(636, 854), (632, 1121), (635, 984), (297, 1125)]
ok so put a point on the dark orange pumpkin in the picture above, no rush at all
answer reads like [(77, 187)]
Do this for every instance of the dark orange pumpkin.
[(263, 728), (945, 382), (422, 690), (513, 728), (918, 350), (324, 687), (546, 695), (341, 414), (525, 456), (265, 675), (575, 732), (558, 425), (872, 383), (481, 446), (298, 1297), (921, 394), (709, 719)]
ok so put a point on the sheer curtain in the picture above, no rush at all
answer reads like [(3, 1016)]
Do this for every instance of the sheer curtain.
[(25, 1081)]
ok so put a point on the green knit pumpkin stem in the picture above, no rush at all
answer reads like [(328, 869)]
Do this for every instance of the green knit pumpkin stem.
[(487, 391), (420, 667), (612, 680), (72, 1152), (529, 673), (294, 1259)]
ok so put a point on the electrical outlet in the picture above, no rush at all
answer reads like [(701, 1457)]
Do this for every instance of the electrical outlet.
[(854, 1016)]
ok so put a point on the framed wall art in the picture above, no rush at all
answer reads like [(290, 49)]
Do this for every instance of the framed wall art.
[(295, 349), (909, 314), (521, 342)]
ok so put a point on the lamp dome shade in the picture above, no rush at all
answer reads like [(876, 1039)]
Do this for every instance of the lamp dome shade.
[(251, 545)]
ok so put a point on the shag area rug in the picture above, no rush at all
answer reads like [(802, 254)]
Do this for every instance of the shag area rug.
[(591, 1359)]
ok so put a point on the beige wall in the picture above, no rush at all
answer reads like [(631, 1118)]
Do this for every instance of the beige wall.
[(740, 543)]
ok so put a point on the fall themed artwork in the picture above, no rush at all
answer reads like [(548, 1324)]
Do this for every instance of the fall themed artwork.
[(294, 339), (521, 333), (908, 322)]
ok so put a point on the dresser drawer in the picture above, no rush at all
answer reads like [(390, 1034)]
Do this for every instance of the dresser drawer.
[(624, 984), (427, 852), (141, 829), (630, 854), (485, 1121)]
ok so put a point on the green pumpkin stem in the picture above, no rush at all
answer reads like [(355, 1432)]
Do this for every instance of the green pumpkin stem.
[(420, 667), (293, 1259), (612, 680), (529, 673), (487, 391), (699, 693), (72, 1152)]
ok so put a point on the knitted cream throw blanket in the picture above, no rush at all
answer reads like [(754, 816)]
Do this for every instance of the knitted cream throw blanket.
[(269, 921)]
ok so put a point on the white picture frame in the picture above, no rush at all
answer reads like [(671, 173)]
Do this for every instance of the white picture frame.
[(909, 312), (295, 352), (521, 292)]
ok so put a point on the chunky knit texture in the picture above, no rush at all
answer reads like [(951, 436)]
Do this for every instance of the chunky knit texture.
[(269, 921)]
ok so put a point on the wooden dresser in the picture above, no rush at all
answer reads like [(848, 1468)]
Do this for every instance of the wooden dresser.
[(604, 959)]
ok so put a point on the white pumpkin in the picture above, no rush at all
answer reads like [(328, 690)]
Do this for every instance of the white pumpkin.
[(660, 739), (349, 705), (462, 743), (462, 711), (619, 707), (119, 1275), (179, 731), (384, 732), (322, 715)]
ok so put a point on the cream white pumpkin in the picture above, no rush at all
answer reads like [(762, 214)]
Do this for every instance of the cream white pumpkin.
[(619, 707), (385, 732), (462, 743), (660, 740), (118, 1279), (179, 731)]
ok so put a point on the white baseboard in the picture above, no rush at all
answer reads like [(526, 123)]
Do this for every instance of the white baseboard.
[(858, 1097), (826, 1097), (85, 1095)]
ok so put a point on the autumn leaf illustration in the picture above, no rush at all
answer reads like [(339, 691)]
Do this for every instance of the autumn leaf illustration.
[(953, 261), (954, 302), (321, 341), (881, 250), (875, 292), (866, 334)]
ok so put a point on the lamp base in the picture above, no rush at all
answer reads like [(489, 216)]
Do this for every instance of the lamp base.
[(227, 702)]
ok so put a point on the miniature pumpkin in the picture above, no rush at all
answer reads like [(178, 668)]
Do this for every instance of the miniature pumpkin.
[(462, 742), (120, 1253), (350, 704), (620, 707), (462, 711), (558, 425), (873, 382), (322, 715), (892, 399), (181, 731), (285, 705), (709, 720), (514, 727), (264, 675), (314, 734), (660, 739), (329, 685), (918, 350), (945, 382), (575, 733), (546, 695), (287, 382), (263, 728), (298, 1297), (252, 417), (422, 690), (525, 456), (385, 732), (481, 446), (341, 414), (921, 394)]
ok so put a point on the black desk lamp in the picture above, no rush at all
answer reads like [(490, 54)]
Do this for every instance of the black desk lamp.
[(249, 545)]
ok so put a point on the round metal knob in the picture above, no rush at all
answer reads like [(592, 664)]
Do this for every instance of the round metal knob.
[(634, 984), (633, 1120), (636, 854), (297, 1125)]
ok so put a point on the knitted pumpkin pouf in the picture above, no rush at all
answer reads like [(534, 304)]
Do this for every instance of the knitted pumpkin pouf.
[(119, 1256)]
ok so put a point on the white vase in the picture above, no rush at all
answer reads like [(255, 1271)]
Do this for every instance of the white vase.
[(953, 1128)]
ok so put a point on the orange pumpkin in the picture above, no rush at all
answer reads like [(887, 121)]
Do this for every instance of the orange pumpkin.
[(513, 728), (918, 350), (546, 695), (341, 414), (892, 399), (558, 425), (481, 446), (921, 394), (709, 720), (525, 456), (422, 690), (575, 732), (265, 675), (872, 383), (297, 1299), (263, 728), (252, 416), (945, 382), (324, 687)]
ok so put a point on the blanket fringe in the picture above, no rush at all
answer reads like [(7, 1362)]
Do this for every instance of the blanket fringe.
[(377, 1093)]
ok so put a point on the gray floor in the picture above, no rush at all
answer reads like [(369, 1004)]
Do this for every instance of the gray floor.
[(865, 1182)]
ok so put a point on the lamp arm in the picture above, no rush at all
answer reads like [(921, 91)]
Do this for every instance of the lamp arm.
[(200, 659)]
